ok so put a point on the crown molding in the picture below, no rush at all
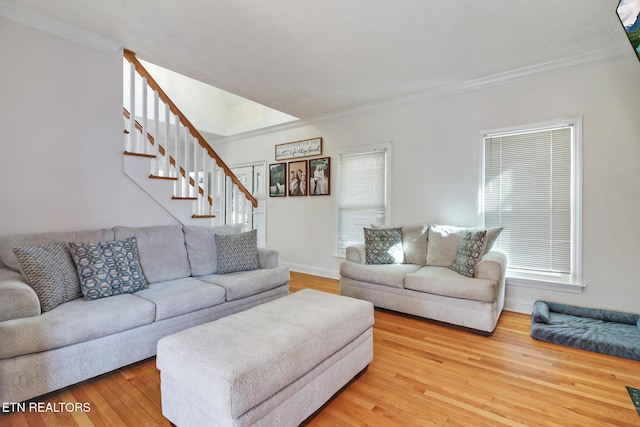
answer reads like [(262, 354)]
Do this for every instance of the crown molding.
[(489, 81), (58, 28), (457, 88)]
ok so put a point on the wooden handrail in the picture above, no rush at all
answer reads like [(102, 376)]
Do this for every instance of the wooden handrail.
[(131, 57)]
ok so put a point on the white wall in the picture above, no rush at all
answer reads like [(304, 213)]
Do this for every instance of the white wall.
[(435, 171), (61, 137), (61, 161)]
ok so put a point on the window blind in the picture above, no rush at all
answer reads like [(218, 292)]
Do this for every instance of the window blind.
[(362, 197), (528, 191)]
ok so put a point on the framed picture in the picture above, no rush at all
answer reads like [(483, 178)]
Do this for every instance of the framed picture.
[(304, 148), (298, 183), (278, 180), (319, 176)]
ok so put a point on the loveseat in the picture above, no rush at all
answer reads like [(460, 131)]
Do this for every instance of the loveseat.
[(444, 273), (168, 278)]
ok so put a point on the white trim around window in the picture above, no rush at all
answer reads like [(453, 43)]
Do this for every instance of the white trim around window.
[(364, 196), (566, 276)]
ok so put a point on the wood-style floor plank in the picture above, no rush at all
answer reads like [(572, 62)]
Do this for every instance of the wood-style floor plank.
[(423, 374)]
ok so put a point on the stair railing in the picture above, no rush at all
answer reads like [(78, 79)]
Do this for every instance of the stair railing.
[(178, 151)]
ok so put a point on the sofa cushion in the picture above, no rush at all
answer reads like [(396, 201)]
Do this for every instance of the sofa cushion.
[(74, 322), (444, 240), (383, 245), (50, 271), (175, 297), (163, 254), (242, 284), (237, 252), (470, 250), (110, 268), (446, 282), (201, 246), (7, 243), (388, 275)]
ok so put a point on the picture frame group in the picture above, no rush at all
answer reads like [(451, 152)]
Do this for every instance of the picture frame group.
[(300, 178)]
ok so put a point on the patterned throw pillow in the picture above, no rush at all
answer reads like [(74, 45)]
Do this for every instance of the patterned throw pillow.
[(108, 268), (383, 245), (51, 273), (470, 250), (237, 252)]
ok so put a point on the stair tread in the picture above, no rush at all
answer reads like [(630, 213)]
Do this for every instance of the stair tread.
[(131, 153), (170, 178)]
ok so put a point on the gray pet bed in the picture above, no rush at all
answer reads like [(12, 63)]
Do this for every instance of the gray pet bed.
[(602, 331)]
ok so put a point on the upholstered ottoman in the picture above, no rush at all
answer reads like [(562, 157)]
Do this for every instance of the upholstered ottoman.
[(271, 365)]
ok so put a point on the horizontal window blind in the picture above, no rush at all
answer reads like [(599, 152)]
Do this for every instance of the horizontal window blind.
[(362, 197), (528, 191)]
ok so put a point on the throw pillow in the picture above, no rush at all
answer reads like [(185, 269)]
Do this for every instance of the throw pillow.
[(443, 242), (108, 268), (383, 245), (51, 273), (469, 252), (201, 246), (414, 243), (237, 252)]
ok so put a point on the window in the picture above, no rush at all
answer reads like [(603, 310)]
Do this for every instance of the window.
[(362, 195), (531, 188)]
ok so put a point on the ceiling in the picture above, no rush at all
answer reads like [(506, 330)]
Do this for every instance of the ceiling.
[(310, 58)]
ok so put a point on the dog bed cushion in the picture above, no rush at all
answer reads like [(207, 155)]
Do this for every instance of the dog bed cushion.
[(602, 331)]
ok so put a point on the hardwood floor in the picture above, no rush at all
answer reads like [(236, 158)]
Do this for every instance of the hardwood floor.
[(423, 374)]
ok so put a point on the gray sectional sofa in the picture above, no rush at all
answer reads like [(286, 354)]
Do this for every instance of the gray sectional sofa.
[(420, 281), (181, 286)]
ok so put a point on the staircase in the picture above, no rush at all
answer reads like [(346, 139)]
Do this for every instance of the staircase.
[(171, 161)]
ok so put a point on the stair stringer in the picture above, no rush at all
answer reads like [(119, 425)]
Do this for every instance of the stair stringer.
[(160, 190)]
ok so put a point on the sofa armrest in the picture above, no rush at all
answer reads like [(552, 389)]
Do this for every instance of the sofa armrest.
[(17, 298), (356, 253), (492, 265), (269, 258)]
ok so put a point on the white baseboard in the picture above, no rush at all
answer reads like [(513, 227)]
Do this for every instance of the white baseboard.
[(519, 306), (309, 269)]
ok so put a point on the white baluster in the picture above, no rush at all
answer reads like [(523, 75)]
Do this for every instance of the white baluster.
[(155, 164), (242, 201), (132, 108), (196, 185), (204, 200), (145, 130), (185, 182), (167, 138), (248, 208), (176, 142), (176, 145), (215, 192), (229, 201)]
